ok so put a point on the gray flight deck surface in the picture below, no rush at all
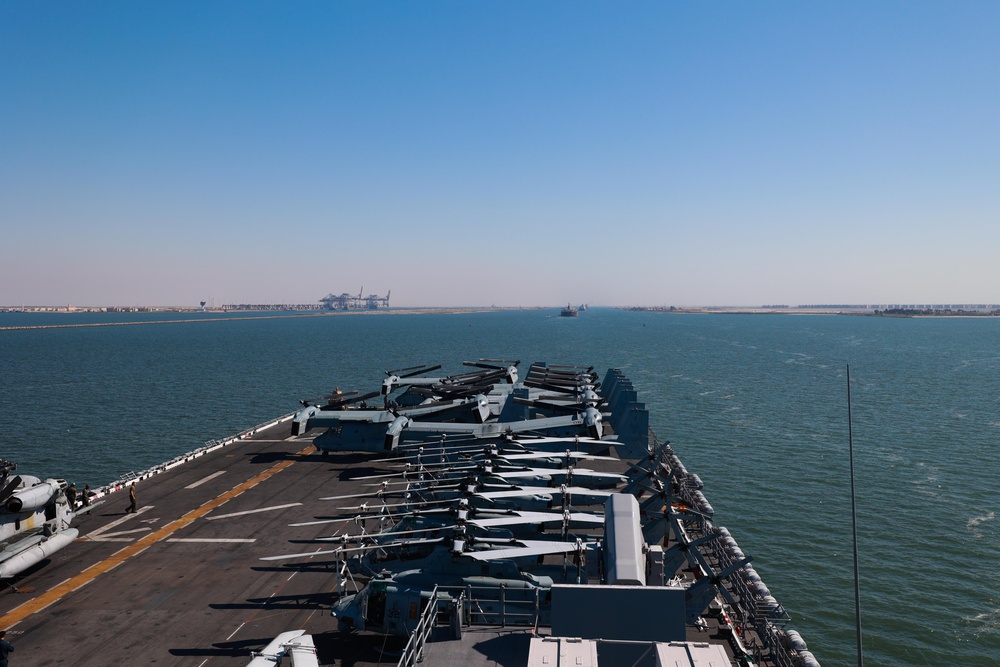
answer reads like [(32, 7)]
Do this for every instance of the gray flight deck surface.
[(192, 602), (199, 595)]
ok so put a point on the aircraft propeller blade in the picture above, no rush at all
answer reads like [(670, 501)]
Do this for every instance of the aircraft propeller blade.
[(493, 364), (8, 490), (526, 548), (336, 402), (390, 533), (413, 371)]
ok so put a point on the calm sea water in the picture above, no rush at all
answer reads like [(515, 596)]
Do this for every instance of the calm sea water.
[(756, 405)]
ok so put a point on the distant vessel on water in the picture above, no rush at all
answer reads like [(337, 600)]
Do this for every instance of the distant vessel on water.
[(569, 311)]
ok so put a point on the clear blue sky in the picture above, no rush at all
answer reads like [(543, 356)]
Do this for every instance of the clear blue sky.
[(516, 153)]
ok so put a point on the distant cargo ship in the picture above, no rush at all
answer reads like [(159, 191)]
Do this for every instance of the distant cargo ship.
[(569, 311)]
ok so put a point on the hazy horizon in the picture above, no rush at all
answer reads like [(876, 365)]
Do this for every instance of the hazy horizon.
[(393, 307), (516, 154)]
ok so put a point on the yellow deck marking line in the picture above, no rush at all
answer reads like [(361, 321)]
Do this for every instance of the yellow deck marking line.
[(59, 591)]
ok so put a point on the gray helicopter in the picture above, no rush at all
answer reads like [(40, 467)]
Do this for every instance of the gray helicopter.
[(35, 518)]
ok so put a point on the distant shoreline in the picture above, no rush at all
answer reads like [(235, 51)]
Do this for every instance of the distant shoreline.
[(894, 313), (395, 311), (252, 314)]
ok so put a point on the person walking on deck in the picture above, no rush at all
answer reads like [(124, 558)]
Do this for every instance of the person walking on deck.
[(131, 499)]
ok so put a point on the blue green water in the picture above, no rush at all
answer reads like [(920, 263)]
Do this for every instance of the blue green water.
[(756, 405)]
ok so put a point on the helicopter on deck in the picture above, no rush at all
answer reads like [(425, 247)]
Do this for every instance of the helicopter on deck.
[(35, 517)]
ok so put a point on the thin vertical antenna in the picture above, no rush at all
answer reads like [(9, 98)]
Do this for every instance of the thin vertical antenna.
[(854, 523)]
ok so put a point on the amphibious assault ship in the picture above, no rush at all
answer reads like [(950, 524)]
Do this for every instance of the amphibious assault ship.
[(476, 517)]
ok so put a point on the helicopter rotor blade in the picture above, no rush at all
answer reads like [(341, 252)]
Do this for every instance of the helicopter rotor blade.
[(8, 490)]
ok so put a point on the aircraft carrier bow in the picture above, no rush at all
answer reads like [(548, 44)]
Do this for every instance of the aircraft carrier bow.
[(490, 515)]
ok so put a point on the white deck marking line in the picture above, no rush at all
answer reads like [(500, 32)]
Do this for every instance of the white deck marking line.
[(211, 539), (259, 509), (61, 583), (96, 535), (235, 631), (205, 479), (119, 533), (57, 593), (114, 539)]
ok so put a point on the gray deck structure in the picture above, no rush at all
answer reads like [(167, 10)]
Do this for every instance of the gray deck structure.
[(180, 582)]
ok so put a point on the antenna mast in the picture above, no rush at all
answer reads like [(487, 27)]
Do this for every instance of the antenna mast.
[(854, 523)]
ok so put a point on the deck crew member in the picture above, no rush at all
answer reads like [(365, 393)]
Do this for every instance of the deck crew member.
[(131, 498), (5, 648), (71, 495)]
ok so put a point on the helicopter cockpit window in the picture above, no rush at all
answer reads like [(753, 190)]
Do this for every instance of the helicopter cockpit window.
[(376, 608)]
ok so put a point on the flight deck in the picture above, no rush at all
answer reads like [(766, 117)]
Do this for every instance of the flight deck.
[(182, 580)]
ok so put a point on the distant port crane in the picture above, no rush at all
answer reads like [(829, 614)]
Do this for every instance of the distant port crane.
[(347, 301)]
